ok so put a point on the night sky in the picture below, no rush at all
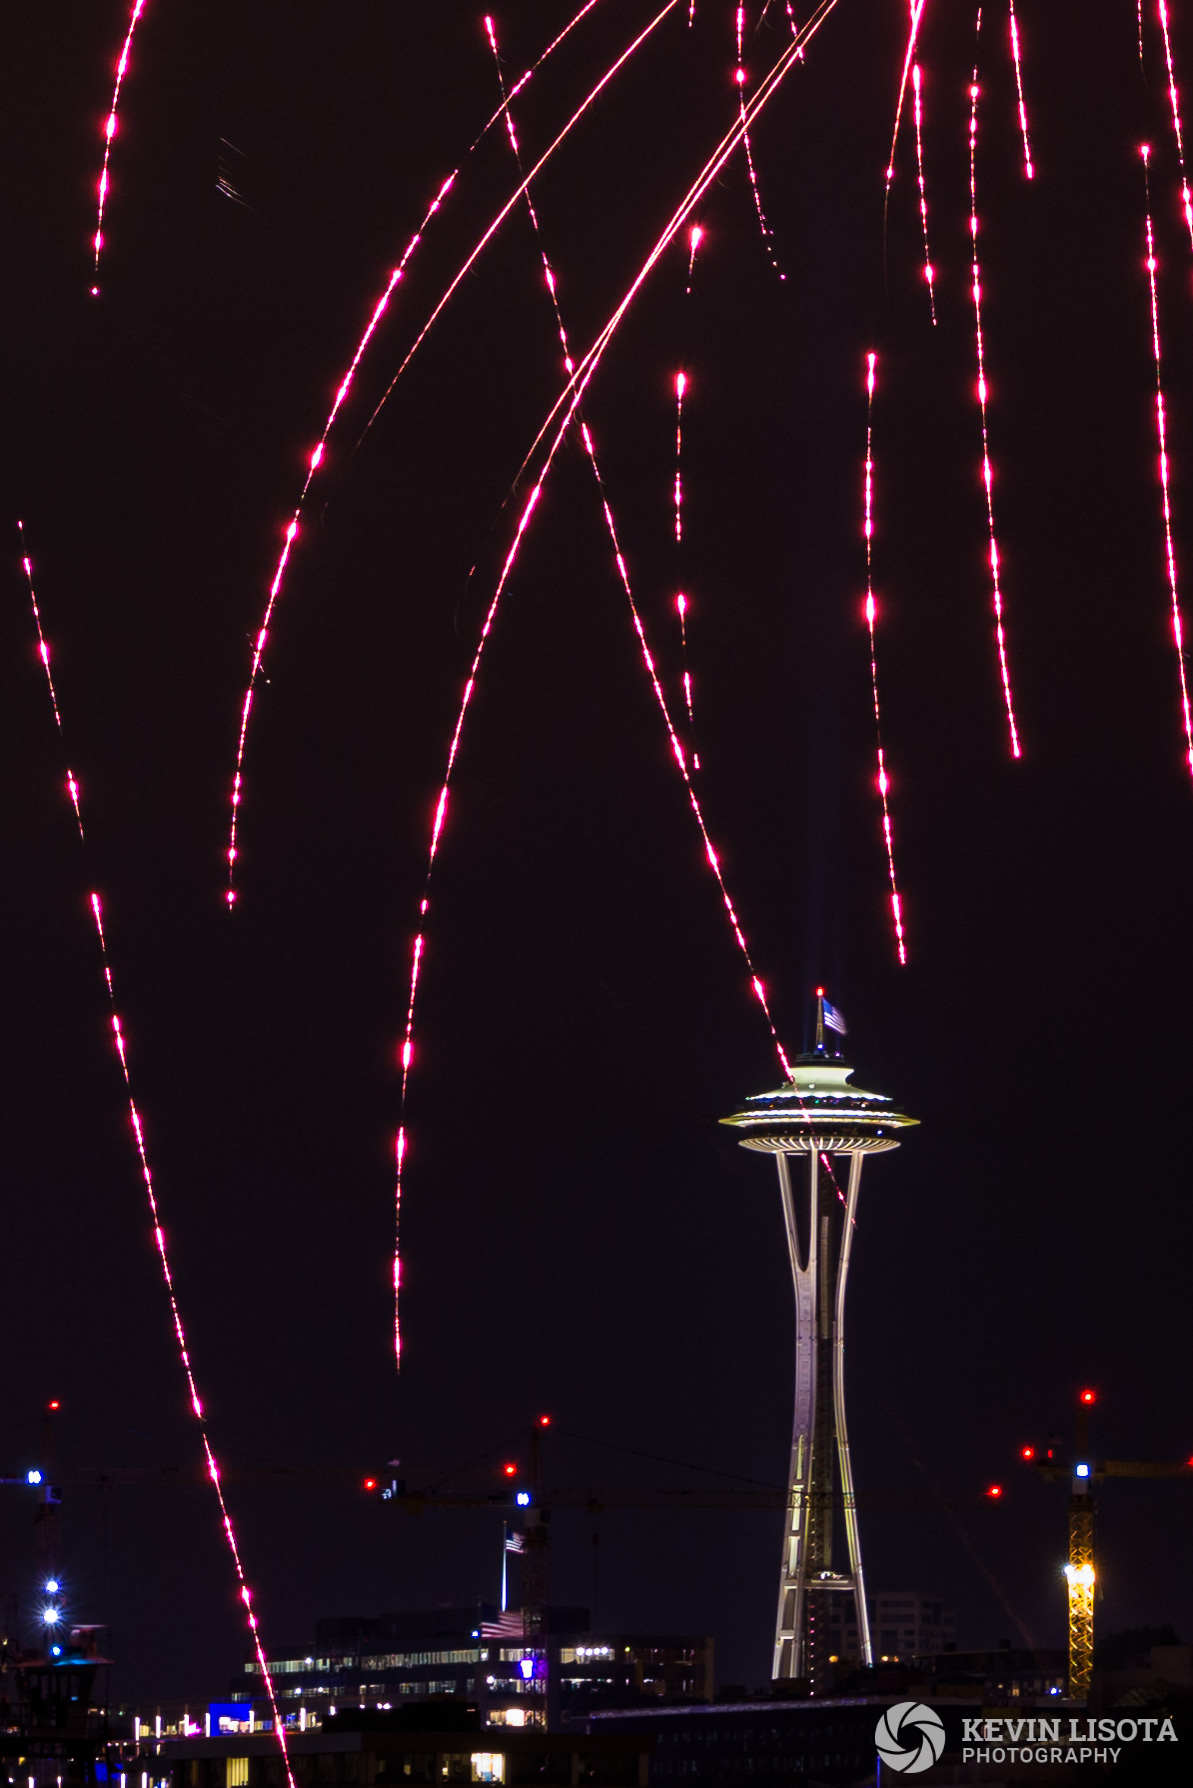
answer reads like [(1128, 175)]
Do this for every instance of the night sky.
[(579, 1235)]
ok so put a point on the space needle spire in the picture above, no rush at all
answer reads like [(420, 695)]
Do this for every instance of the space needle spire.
[(818, 1118)]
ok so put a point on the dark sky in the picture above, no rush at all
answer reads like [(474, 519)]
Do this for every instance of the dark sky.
[(579, 1236)]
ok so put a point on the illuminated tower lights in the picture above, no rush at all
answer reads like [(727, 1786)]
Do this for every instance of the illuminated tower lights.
[(818, 1115)]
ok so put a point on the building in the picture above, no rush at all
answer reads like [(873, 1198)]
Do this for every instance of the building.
[(473, 1654), (903, 1625), (359, 1750), (818, 1118)]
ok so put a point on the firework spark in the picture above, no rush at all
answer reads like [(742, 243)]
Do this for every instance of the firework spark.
[(110, 129), (929, 270), (913, 32), (739, 76), (1028, 167), (1178, 635), (871, 610), (983, 397), (318, 454), (43, 653), (120, 1043), (1175, 103)]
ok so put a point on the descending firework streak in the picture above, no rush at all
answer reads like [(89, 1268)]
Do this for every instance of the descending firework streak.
[(43, 652), (1162, 443), (110, 129), (318, 454), (138, 1129), (1028, 165), (1175, 103), (739, 76), (569, 403), (918, 110), (883, 780), (913, 33), (983, 395)]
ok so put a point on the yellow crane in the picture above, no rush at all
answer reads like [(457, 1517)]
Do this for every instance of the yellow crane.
[(1082, 1472)]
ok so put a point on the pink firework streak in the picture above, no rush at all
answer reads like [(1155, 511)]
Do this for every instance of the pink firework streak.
[(695, 238), (929, 270), (569, 399), (681, 385), (138, 1130), (43, 652), (917, 13), (110, 129), (569, 402), (739, 76), (1175, 103), (983, 394), (1028, 167), (1178, 635), (318, 454), (517, 193), (681, 601), (884, 784)]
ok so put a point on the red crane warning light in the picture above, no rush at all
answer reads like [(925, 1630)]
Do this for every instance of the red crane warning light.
[(511, 1471), (1088, 1397), (994, 1490), (370, 1483), (544, 1421), (1027, 1453)]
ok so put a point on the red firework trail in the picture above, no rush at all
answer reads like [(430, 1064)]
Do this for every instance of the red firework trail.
[(569, 398), (929, 270), (917, 13), (983, 393), (43, 652), (317, 455), (1178, 635), (695, 238), (501, 216), (681, 385), (159, 1238), (1028, 168), (794, 23), (884, 784), (739, 76), (681, 601), (110, 129), (569, 401), (1174, 101)]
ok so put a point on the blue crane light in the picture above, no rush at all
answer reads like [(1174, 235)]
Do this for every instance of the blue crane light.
[(523, 1499), (1083, 1471), (33, 1477)]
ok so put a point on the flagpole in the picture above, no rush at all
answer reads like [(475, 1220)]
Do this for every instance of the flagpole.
[(505, 1564), (820, 1019)]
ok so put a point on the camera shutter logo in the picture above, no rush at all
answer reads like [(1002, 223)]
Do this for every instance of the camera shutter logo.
[(909, 1737)]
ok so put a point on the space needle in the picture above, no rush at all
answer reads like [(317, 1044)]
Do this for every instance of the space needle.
[(819, 1116)]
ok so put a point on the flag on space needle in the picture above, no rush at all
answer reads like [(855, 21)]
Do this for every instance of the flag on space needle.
[(833, 1018)]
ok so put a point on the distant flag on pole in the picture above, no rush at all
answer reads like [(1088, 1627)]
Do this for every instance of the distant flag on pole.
[(514, 1542), (833, 1018)]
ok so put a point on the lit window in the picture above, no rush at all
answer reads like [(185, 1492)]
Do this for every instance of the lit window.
[(488, 1766), (236, 1772)]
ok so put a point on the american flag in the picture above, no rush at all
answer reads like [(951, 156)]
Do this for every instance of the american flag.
[(508, 1625), (833, 1018), (514, 1542)]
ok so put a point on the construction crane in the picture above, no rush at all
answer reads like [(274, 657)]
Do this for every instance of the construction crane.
[(1081, 1471)]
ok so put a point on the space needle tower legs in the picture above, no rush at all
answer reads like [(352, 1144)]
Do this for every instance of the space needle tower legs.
[(818, 1116)]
